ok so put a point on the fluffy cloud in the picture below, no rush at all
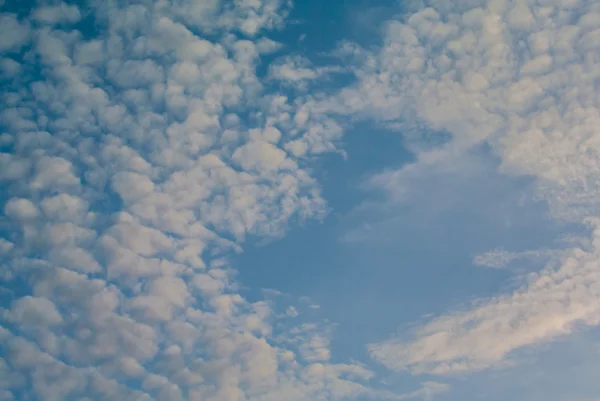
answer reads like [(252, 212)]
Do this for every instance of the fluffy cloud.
[(14, 33), (518, 77), (132, 163), (551, 304), (56, 14)]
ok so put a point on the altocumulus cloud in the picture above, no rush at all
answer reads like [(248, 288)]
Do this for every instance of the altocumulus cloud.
[(519, 77), (139, 149), (135, 155)]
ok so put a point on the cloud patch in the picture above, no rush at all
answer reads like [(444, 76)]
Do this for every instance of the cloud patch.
[(133, 162), (515, 76)]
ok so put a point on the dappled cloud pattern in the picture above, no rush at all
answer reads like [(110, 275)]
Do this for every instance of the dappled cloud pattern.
[(521, 78), (144, 142), (137, 154)]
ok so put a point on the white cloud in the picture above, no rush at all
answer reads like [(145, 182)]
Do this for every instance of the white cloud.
[(21, 209), (74, 258), (298, 72), (132, 186), (64, 207), (53, 172), (316, 349), (13, 33), (260, 156), (34, 311), (9, 67), (208, 284), (267, 46), (132, 171), (56, 14), (5, 246), (551, 304), (428, 391), (499, 258), (517, 76), (293, 69)]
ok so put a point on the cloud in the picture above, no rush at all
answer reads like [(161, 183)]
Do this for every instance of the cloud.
[(428, 391), (14, 33), (133, 163), (56, 14), (518, 77), (499, 258), (552, 304), (34, 311), (298, 72), (9, 67), (20, 209)]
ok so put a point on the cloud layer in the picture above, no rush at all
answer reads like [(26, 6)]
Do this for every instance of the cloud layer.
[(519, 77), (140, 148), (135, 156)]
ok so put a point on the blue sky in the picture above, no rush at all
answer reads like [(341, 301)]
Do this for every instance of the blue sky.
[(322, 200)]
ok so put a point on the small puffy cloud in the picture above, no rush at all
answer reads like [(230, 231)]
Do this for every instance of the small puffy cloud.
[(5, 246), (317, 349), (89, 53), (31, 311), (152, 308), (131, 367), (68, 233), (293, 69), (54, 172), (208, 285), (9, 67), (75, 258), (64, 207), (134, 73), (13, 33), (146, 241), (267, 46), (171, 289), (21, 209), (260, 156), (298, 71), (291, 312), (297, 148), (268, 134), (132, 187), (57, 14), (122, 157)]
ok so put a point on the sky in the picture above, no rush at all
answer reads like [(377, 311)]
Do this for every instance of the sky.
[(266, 200)]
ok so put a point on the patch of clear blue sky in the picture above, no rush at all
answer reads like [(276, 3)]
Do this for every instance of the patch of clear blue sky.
[(314, 27), (410, 264)]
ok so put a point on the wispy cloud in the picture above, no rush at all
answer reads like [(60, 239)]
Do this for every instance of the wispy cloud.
[(499, 258), (518, 77)]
